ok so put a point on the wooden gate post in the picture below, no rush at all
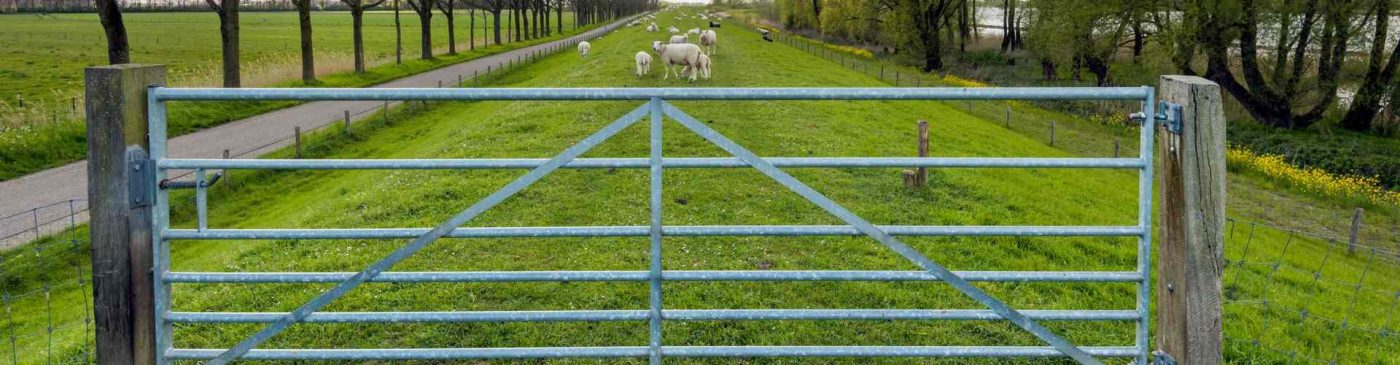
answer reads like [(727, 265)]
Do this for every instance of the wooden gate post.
[(1191, 235), (123, 301)]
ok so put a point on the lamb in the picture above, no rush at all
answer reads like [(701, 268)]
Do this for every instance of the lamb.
[(678, 39), (702, 65), (709, 39), (584, 47), (684, 54), (643, 63)]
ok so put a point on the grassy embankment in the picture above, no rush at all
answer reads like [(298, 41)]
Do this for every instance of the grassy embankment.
[(603, 197), (42, 60)]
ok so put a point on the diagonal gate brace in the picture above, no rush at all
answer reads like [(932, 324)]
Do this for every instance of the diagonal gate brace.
[(869, 229), (422, 241)]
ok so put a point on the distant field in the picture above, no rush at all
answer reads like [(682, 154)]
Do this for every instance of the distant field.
[(42, 56)]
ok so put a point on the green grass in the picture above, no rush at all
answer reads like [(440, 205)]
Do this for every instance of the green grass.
[(324, 199), (49, 132)]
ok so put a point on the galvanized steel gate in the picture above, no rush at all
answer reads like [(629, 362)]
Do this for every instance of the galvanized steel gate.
[(655, 107)]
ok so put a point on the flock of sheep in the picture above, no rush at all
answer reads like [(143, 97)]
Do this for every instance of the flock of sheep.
[(693, 59)]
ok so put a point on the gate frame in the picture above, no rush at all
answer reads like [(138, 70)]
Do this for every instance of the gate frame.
[(1208, 186)]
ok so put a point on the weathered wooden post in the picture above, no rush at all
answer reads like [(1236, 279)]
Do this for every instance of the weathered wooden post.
[(921, 174), (1117, 146), (347, 122), (296, 136), (1355, 238), (1052, 133), (1008, 117), (120, 213), (1192, 223)]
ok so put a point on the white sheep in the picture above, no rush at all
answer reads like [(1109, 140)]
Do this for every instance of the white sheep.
[(652, 27), (643, 63), (702, 65), (673, 30), (693, 31), (709, 39), (678, 39), (684, 54), (584, 47)]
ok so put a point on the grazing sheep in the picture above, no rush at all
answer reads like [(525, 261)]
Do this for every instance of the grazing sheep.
[(684, 54), (709, 39), (767, 36), (702, 65), (714, 24), (643, 63), (673, 30), (693, 31), (678, 39), (652, 28), (583, 48)]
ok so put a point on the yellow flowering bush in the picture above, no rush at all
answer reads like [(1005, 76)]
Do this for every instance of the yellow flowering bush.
[(1311, 179), (953, 80)]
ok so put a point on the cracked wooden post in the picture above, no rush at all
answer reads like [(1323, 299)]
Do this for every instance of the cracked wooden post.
[(1355, 238), (921, 174), (1192, 223), (120, 226)]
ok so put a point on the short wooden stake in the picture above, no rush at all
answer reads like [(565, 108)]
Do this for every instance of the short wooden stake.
[(386, 111), (347, 122), (296, 136), (1117, 146), (910, 179), (1008, 118), (921, 174), (1052, 133), (1355, 231), (226, 155)]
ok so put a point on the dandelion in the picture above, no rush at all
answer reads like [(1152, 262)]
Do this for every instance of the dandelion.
[(1312, 180)]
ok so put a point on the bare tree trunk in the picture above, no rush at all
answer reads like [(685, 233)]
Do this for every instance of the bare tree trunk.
[(496, 18), (447, 7), (228, 34), (357, 17), (1367, 102), (471, 12), (398, 35), (308, 57), (118, 48)]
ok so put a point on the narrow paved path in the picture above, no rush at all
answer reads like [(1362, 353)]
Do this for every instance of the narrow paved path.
[(43, 198)]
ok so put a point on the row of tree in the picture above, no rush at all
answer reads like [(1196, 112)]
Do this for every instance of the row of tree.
[(534, 19), (1283, 60)]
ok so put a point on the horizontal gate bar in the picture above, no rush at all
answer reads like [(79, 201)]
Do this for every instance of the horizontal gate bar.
[(675, 162), (639, 231), (642, 94), (622, 276), (641, 351), (641, 315)]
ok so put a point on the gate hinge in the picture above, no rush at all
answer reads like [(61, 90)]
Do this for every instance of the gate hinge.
[(141, 182), (1168, 116), (1160, 357)]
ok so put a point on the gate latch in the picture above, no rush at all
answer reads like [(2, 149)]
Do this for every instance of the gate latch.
[(1168, 115), (1160, 357), (141, 182)]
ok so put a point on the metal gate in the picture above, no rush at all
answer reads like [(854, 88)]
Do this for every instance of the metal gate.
[(655, 105)]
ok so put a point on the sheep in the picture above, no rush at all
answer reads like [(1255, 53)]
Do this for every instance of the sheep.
[(673, 30), (652, 27), (693, 31), (684, 54), (678, 39), (643, 63), (714, 24), (709, 39), (583, 48), (702, 65)]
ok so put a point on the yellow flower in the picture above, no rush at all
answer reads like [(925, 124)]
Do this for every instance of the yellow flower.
[(1312, 180)]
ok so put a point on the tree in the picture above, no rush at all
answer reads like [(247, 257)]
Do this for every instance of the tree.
[(118, 48), (424, 8), (1085, 33), (308, 58), (1367, 102), (494, 7), (1221, 29), (398, 36), (357, 14), (447, 7), (929, 18), (228, 34)]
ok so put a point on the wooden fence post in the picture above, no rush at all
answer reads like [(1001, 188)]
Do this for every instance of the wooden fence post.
[(1192, 217), (921, 174), (1052, 133), (1117, 146), (347, 122), (123, 296), (1355, 238), (296, 135)]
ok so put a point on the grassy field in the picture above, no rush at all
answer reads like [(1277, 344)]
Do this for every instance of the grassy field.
[(323, 199), (42, 57)]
